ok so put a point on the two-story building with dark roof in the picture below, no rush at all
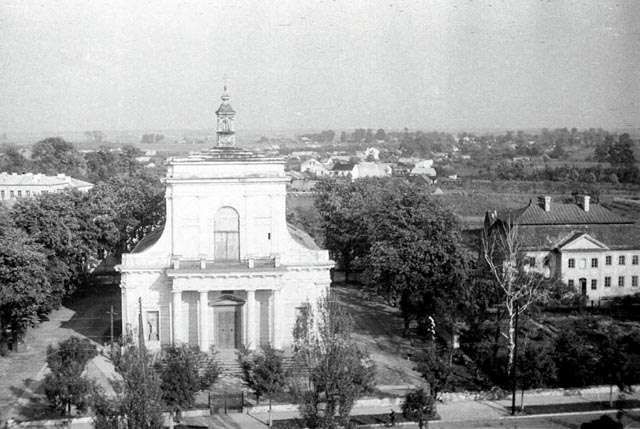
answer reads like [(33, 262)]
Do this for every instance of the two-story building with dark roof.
[(581, 243)]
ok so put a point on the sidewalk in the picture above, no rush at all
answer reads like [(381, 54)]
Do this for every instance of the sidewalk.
[(456, 411)]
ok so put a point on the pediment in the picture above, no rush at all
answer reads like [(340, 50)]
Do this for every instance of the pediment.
[(228, 300), (583, 242)]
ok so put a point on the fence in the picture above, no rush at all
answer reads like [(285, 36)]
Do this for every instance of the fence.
[(224, 402)]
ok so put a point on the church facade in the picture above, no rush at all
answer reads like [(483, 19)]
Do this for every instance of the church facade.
[(226, 270)]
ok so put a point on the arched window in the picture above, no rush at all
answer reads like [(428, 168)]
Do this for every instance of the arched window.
[(226, 226)]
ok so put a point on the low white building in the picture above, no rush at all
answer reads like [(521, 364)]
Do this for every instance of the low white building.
[(314, 167), (14, 186), (370, 169), (424, 168), (226, 270)]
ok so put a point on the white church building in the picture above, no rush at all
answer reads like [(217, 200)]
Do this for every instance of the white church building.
[(226, 270)]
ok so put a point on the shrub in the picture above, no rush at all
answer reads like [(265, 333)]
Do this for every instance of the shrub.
[(66, 386), (419, 405), (184, 371)]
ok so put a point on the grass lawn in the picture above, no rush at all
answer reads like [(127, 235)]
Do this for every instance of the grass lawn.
[(378, 328), (580, 407), (21, 372), (366, 419)]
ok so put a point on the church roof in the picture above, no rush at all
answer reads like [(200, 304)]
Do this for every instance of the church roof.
[(223, 153), (147, 241), (302, 238)]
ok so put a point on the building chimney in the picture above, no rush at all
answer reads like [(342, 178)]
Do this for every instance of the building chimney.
[(585, 202), (545, 203)]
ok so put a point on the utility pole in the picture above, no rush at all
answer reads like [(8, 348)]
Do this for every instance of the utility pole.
[(111, 313), (514, 371), (140, 327)]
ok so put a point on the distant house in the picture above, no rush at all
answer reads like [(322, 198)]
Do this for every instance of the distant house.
[(342, 169), (314, 167), (583, 244), (370, 169), (424, 168), (15, 186)]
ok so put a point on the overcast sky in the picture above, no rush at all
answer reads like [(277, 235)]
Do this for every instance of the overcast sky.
[(319, 64)]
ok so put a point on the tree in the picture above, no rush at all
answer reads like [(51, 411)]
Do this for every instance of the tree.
[(138, 205), (24, 285), (419, 405), (335, 370), (264, 373), (65, 386), (183, 372), (535, 366), (54, 155), (12, 160), (575, 359), (435, 367), (75, 230), (139, 401), (520, 287), (621, 153), (381, 135)]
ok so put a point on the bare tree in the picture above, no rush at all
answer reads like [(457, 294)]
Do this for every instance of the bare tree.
[(521, 287)]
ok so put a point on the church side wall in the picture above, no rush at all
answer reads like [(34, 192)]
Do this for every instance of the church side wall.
[(153, 288), (298, 289)]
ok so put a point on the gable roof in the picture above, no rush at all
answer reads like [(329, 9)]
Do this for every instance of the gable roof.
[(545, 237), (562, 214), (343, 166)]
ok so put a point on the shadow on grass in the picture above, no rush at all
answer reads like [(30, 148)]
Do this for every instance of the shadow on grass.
[(91, 313)]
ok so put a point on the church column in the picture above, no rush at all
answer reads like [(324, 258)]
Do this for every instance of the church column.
[(278, 322), (251, 320), (204, 321), (177, 317)]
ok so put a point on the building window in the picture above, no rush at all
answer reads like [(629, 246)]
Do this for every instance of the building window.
[(634, 281), (607, 282), (572, 263), (621, 281), (2, 194), (570, 283), (582, 263), (19, 194), (27, 193), (11, 194), (607, 260), (153, 326), (226, 234), (634, 258), (621, 260), (594, 284), (594, 262)]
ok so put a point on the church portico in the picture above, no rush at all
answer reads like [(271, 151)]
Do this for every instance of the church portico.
[(226, 270), (223, 317)]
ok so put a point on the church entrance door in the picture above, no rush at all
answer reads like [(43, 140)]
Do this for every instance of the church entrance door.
[(227, 323)]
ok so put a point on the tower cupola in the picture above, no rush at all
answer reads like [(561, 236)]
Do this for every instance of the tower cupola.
[(226, 116)]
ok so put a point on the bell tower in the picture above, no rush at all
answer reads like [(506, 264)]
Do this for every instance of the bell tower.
[(226, 116)]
